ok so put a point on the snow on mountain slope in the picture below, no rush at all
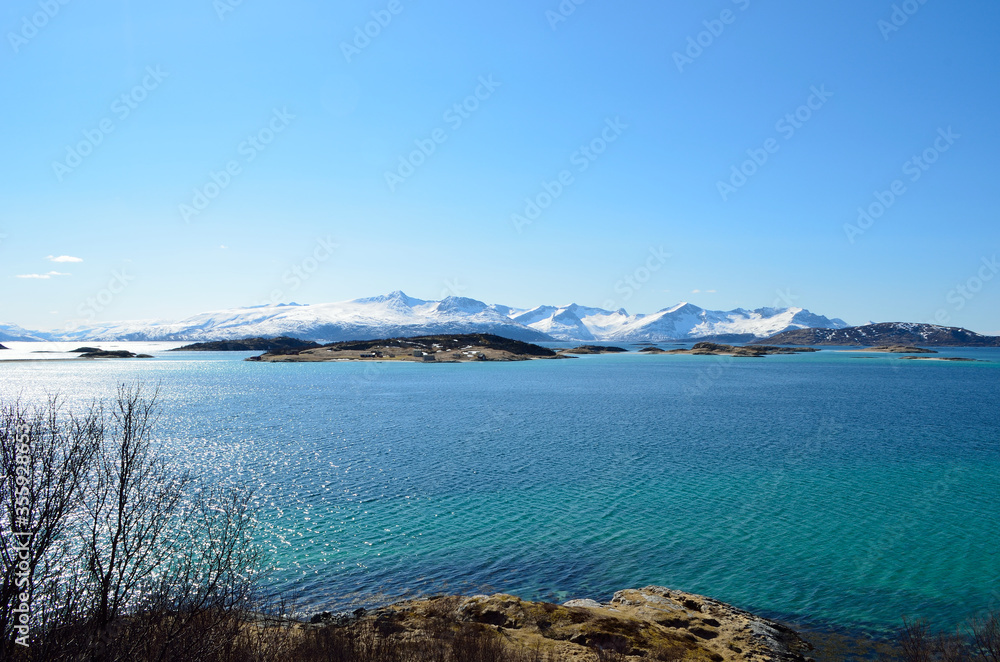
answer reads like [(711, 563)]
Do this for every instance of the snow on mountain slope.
[(385, 316), (396, 314), (13, 332), (574, 322), (683, 321)]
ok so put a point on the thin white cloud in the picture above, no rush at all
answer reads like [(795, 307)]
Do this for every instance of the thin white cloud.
[(64, 258), (703, 291), (42, 276)]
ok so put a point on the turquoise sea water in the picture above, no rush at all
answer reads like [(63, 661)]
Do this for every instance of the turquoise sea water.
[(824, 489)]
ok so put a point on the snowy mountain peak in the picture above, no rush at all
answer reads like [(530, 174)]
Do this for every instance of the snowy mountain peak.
[(396, 297), (682, 307), (461, 305)]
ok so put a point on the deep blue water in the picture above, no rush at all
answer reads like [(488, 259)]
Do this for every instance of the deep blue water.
[(825, 489)]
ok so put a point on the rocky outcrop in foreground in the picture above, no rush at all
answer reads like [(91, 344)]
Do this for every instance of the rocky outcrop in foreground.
[(649, 623)]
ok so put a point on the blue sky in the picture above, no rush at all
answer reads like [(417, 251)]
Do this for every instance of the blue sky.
[(120, 120)]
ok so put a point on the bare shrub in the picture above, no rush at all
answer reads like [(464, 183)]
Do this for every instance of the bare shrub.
[(979, 642), (129, 557)]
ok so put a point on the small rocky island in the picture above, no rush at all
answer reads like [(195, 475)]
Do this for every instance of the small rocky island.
[(654, 623), (97, 353), (249, 345), (900, 349), (458, 348), (593, 349), (715, 349)]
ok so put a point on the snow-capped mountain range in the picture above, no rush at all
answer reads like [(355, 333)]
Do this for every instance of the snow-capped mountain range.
[(396, 314)]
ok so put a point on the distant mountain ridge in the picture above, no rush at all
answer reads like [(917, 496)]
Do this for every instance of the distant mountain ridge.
[(12, 332), (885, 333), (398, 315)]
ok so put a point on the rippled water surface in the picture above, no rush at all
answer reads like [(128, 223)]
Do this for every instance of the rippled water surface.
[(825, 489)]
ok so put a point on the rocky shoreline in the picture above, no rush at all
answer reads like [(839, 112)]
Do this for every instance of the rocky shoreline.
[(653, 622)]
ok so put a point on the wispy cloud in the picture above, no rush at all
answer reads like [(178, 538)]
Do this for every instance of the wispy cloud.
[(64, 258), (42, 276), (703, 291)]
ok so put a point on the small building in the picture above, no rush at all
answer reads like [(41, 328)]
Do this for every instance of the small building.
[(418, 353), (429, 357)]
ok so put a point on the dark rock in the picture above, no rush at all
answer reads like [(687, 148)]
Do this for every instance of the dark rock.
[(493, 617), (250, 345), (114, 354), (594, 349)]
